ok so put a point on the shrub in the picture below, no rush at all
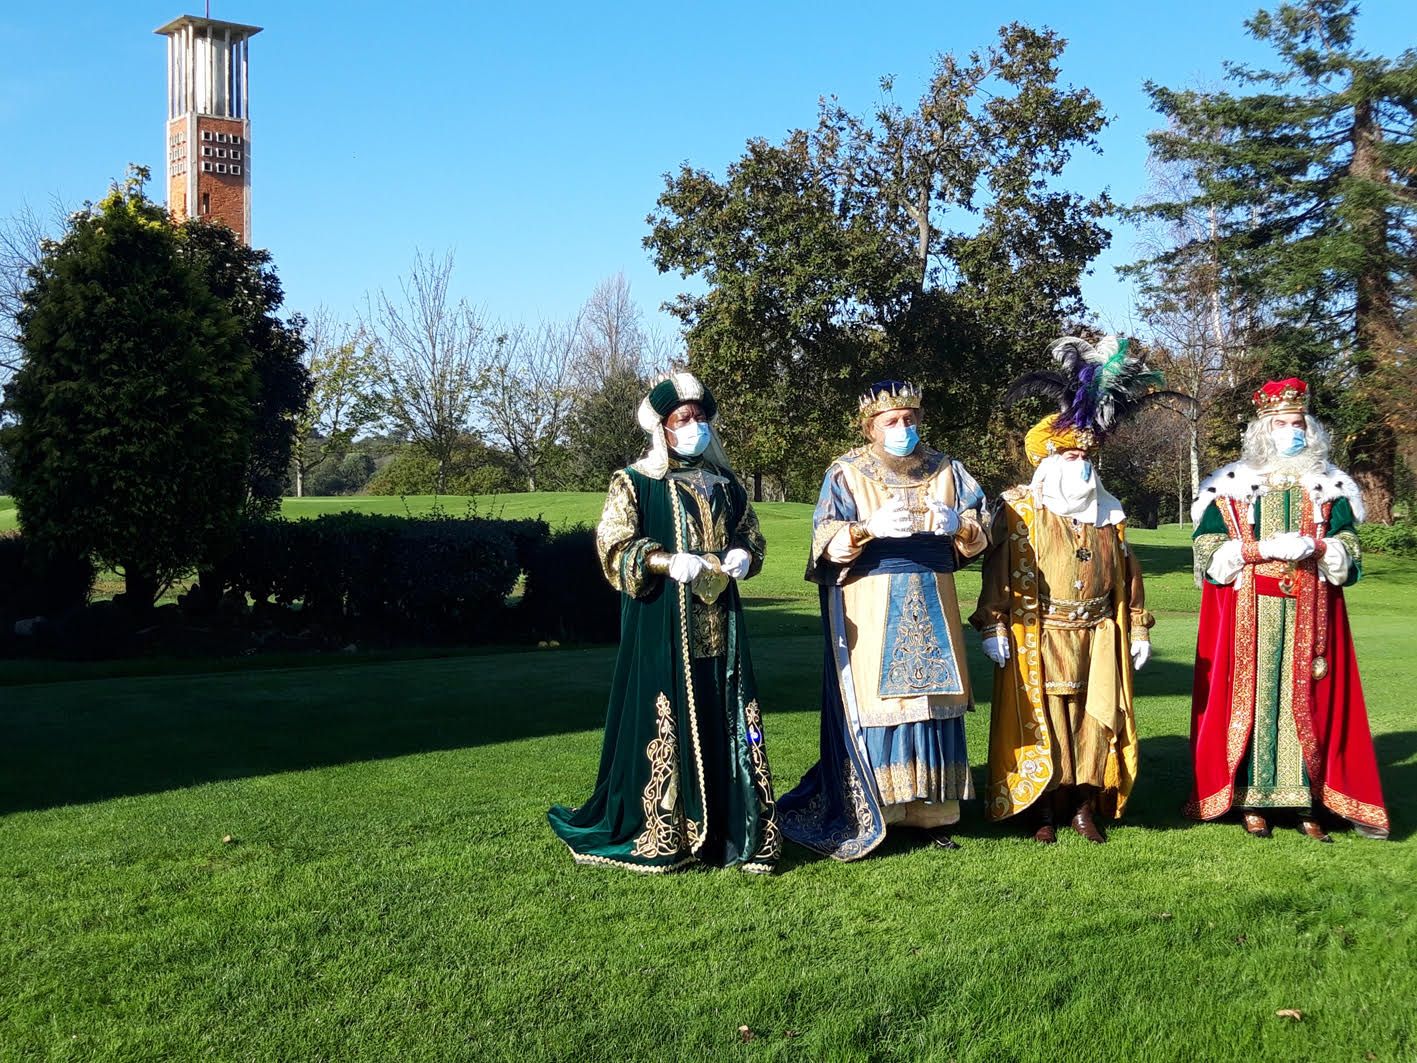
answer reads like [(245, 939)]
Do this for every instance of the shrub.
[(567, 597), (1399, 539), (435, 578), (32, 584)]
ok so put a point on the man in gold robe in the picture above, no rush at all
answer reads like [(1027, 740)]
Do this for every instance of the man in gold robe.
[(1062, 615)]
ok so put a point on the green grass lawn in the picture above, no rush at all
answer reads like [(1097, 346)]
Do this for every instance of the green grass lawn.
[(391, 890)]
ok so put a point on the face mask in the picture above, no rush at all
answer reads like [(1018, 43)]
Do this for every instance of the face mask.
[(1289, 441), (692, 439), (1086, 470), (900, 440)]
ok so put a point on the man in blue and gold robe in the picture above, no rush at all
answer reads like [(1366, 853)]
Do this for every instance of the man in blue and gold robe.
[(895, 519)]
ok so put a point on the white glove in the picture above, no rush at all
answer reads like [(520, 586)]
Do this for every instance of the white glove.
[(996, 648), (736, 563), (1141, 653), (685, 568), (1287, 546), (891, 521), (946, 519)]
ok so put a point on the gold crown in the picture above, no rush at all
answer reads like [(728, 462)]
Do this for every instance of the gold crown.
[(1282, 396), (897, 397)]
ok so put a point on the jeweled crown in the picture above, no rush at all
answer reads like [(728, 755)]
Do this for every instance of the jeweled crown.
[(890, 395), (1282, 396)]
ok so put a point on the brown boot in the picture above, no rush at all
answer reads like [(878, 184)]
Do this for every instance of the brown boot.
[(1082, 820), (1310, 828), (1046, 833), (1256, 825)]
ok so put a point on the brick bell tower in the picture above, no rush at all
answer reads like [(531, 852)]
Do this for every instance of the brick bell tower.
[(208, 121)]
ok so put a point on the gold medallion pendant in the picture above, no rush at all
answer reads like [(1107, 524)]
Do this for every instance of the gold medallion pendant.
[(708, 585), (1320, 667)]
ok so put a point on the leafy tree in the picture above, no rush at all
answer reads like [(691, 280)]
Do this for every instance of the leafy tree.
[(1310, 171), (244, 278), (602, 433), (134, 398), (925, 242), (474, 469), (344, 399)]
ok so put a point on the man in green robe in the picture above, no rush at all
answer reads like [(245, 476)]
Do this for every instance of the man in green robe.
[(683, 776)]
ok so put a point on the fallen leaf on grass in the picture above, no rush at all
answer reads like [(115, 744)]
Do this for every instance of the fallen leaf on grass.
[(227, 839), (745, 1033), (1290, 1013)]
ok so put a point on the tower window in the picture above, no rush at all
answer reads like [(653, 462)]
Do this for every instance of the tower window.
[(236, 170), (206, 203)]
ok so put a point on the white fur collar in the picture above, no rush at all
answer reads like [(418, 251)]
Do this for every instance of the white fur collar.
[(1245, 482)]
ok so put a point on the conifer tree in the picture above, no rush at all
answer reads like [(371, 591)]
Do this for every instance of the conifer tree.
[(1310, 171)]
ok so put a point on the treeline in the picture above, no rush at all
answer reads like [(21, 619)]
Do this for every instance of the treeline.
[(425, 394)]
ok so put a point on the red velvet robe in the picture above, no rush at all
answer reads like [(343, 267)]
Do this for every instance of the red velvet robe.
[(1329, 711)]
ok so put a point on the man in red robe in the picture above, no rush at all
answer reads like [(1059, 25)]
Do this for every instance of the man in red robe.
[(1277, 713)]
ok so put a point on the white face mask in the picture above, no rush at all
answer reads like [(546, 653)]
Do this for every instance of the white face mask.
[(692, 439), (1289, 440)]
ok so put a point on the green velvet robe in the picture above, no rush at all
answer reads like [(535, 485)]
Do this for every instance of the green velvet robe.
[(684, 776)]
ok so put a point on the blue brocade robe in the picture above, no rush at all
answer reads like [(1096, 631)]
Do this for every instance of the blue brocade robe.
[(895, 684)]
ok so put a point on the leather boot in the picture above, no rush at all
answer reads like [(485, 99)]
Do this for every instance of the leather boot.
[(1047, 832), (1256, 825), (1082, 819), (1310, 828)]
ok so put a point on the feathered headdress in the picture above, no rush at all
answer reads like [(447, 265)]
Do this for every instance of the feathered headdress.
[(1096, 387)]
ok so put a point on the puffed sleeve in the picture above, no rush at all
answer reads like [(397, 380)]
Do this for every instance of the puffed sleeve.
[(747, 535), (624, 550), (1217, 556), (836, 535), (991, 615), (1341, 559), (973, 537), (1140, 619)]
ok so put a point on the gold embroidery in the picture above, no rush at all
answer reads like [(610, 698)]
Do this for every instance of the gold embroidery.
[(918, 662), (661, 836), (618, 541), (685, 619), (770, 847), (900, 783), (1359, 811), (1204, 547), (710, 629), (1272, 797)]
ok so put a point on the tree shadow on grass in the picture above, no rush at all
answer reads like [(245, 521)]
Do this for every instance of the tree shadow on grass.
[(91, 740)]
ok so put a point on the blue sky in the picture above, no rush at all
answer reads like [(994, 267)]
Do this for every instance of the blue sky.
[(532, 141)]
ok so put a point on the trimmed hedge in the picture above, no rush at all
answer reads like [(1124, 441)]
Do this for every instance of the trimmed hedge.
[(388, 578), (32, 585), (325, 581), (566, 596)]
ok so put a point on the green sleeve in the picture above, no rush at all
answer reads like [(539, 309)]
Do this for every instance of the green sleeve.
[(1343, 527)]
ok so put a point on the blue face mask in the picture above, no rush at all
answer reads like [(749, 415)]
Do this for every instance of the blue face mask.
[(1289, 441), (692, 439), (900, 440), (1086, 471)]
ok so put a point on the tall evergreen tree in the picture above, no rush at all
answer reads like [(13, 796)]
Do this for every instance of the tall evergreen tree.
[(1310, 172), (245, 279), (134, 399)]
